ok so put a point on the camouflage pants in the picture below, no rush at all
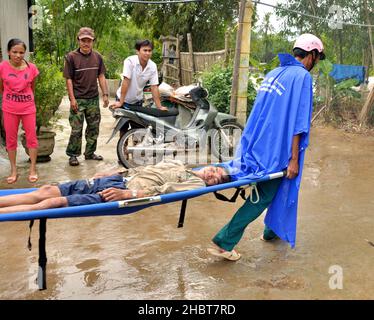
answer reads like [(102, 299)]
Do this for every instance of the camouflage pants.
[(88, 109)]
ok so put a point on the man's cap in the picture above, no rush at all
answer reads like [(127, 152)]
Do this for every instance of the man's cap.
[(86, 32)]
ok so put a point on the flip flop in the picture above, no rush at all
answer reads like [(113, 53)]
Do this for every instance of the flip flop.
[(12, 179), (228, 255), (33, 178)]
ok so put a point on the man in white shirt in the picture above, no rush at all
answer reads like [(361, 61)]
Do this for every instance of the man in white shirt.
[(138, 71)]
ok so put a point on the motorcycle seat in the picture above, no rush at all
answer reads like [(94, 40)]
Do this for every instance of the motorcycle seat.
[(172, 112)]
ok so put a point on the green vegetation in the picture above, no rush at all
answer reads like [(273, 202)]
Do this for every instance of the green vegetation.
[(340, 100), (118, 25), (218, 82), (49, 91)]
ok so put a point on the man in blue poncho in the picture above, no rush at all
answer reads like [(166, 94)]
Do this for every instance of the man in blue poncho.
[(274, 139)]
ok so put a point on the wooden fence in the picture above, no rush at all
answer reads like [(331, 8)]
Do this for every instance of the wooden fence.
[(187, 65), (201, 62)]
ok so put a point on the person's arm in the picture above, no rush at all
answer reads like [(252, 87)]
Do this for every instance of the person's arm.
[(36, 74), (124, 87), (156, 97), (73, 101), (109, 173), (32, 86), (293, 166), (69, 75), (102, 81), (114, 194), (1, 81), (104, 88)]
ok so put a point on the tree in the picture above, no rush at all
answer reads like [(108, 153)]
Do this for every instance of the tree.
[(207, 21), (339, 42), (267, 29), (63, 18)]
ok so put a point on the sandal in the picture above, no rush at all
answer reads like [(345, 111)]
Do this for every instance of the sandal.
[(33, 178), (228, 255), (73, 161), (94, 157), (12, 179)]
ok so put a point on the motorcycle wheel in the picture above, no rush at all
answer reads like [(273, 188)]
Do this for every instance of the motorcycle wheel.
[(219, 146), (131, 159)]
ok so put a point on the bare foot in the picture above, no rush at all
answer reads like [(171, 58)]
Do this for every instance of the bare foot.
[(12, 178), (33, 178)]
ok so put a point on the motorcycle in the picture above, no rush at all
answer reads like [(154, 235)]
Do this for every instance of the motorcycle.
[(191, 123)]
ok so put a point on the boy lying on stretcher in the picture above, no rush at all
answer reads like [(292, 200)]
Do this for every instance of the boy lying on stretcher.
[(165, 177)]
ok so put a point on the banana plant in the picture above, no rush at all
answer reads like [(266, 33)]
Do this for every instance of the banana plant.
[(330, 94)]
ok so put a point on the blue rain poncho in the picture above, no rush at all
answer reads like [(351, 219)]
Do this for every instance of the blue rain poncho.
[(282, 109)]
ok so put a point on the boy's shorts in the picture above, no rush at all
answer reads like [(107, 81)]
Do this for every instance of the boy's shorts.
[(82, 192)]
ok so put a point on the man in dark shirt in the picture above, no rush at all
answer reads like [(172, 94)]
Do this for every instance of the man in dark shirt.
[(83, 67)]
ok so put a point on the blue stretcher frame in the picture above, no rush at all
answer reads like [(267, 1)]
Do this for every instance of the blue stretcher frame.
[(121, 207), (111, 208)]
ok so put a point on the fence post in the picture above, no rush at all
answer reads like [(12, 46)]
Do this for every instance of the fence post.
[(369, 103), (226, 61), (179, 63), (190, 51)]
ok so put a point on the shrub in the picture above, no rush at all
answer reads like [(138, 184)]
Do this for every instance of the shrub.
[(49, 91), (218, 81), (342, 101)]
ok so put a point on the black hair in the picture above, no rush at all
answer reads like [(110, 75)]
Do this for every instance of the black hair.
[(14, 42), (143, 43), (298, 52)]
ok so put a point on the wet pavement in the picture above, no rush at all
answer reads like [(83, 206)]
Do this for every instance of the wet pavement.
[(145, 256)]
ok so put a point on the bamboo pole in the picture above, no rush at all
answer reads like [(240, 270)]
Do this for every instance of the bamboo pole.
[(235, 73), (226, 58), (178, 54), (241, 112), (370, 99), (366, 108), (190, 51), (370, 32)]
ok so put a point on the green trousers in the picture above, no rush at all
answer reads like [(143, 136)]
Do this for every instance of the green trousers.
[(229, 236), (88, 109)]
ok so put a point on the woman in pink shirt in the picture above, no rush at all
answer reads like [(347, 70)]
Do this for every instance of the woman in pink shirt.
[(17, 85)]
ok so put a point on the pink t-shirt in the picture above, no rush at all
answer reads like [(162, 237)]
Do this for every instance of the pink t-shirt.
[(18, 97)]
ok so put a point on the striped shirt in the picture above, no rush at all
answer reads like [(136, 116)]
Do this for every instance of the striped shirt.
[(83, 70)]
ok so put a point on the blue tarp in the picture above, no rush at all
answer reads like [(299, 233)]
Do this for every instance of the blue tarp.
[(341, 72), (282, 109)]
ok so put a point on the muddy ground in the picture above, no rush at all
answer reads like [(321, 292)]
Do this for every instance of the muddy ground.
[(145, 256)]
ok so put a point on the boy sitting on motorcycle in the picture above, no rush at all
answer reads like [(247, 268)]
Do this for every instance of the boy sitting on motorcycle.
[(138, 70)]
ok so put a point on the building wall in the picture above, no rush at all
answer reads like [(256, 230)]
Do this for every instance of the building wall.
[(13, 23)]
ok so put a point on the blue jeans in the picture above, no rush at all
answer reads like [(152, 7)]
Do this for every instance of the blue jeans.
[(82, 192)]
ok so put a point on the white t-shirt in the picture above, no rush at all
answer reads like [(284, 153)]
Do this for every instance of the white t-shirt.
[(138, 78)]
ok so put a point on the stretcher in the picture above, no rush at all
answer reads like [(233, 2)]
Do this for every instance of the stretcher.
[(119, 208)]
